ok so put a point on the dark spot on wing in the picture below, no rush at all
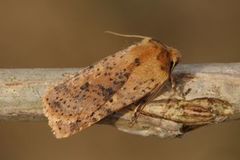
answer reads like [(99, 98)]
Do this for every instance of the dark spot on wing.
[(56, 104), (109, 111), (84, 86), (163, 55), (126, 74), (163, 68), (137, 61), (109, 67), (94, 119), (106, 92), (118, 82), (90, 67)]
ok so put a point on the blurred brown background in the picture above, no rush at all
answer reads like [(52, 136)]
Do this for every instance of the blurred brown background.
[(57, 33)]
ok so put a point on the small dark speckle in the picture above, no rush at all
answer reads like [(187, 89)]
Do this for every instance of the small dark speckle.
[(91, 66), (92, 114), (137, 61), (109, 111), (118, 82), (57, 104), (109, 91), (163, 68), (120, 77), (98, 105), (126, 74), (115, 82), (94, 119), (106, 92), (110, 68), (84, 86)]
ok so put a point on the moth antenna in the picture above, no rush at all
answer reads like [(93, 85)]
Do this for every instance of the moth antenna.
[(127, 35)]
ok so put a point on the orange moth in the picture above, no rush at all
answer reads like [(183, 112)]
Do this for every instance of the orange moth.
[(128, 76)]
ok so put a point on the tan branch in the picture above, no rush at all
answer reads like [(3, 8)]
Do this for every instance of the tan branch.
[(204, 94)]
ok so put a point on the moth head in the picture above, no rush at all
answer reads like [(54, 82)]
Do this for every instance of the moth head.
[(175, 57)]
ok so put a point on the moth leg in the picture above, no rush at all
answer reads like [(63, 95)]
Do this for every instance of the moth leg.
[(172, 82), (137, 110), (142, 103)]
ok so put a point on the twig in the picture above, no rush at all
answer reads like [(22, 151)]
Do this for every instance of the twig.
[(204, 94)]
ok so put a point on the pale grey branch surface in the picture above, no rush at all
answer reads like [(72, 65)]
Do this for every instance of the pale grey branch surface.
[(204, 94)]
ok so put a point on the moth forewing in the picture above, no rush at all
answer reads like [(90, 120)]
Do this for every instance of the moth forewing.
[(108, 86)]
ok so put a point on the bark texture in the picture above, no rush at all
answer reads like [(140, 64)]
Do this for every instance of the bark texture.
[(204, 94)]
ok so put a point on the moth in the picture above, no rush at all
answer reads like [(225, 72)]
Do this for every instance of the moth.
[(128, 76)]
